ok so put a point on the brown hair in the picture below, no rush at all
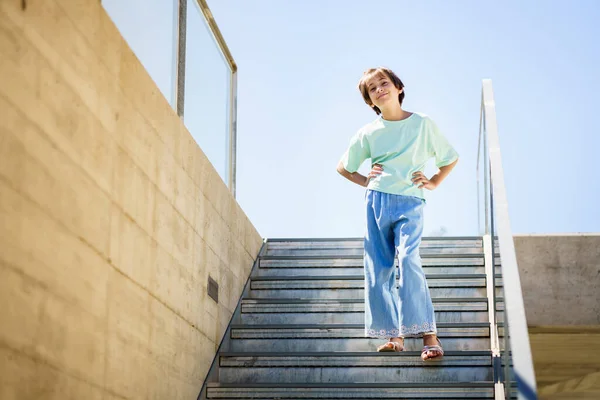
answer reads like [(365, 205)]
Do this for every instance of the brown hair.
[(368, 74)]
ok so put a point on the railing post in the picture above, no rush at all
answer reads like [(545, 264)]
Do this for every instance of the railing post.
[(181, 43), (233, 133)]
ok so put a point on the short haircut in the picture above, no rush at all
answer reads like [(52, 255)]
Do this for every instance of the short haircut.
[(385, 72)]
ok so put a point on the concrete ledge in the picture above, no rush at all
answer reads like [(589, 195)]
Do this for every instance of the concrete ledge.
[(559, 277)]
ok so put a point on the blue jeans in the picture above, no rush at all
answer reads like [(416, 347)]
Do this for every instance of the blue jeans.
[(394, 227)]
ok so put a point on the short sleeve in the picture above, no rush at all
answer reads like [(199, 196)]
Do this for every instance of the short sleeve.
[(357, 153), (439, 146)]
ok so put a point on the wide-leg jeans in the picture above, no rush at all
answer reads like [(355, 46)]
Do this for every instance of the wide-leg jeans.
[(395, 306)]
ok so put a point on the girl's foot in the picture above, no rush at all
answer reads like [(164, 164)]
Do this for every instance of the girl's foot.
[(395, 344), (432, 348)]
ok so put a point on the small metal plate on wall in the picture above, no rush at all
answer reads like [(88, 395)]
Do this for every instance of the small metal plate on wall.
[(213, 289)]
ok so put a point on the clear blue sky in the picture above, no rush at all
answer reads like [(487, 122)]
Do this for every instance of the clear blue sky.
[(299, 63)]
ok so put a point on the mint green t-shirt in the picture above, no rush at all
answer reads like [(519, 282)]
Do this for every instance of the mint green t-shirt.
[(402, 148)]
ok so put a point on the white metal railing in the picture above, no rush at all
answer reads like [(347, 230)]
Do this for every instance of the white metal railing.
[(497, 230)]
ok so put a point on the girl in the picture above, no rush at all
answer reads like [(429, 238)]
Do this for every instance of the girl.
[(399, 144)]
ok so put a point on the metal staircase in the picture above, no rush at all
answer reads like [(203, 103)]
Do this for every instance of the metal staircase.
[(297, 332)]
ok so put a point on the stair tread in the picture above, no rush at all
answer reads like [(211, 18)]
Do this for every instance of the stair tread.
[(477, 384), (335, 263), (360, 256), (349, 326), (359, 277), (464, 353), (349, 239), (282, 300)]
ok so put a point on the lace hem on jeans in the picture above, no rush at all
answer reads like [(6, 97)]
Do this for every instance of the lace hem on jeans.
[(404, 331)]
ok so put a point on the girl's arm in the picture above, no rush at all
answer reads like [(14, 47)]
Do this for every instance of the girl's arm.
[(443, 173), (357, 178), (420, 179)]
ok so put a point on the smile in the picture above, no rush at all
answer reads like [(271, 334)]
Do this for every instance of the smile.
[(380, 96)]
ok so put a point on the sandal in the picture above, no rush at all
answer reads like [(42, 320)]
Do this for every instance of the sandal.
[(396, 347), (434, 348)]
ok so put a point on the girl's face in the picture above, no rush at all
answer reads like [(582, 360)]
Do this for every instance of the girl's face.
[(382, 91)]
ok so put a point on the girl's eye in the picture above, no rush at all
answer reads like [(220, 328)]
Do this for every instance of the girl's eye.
[(384, 83), (372, 89)]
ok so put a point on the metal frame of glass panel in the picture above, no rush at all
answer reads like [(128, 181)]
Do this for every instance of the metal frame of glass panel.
[(516, 357)]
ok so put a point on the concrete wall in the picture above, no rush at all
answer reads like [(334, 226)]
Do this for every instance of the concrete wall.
[(569, 355), (111, 219), (560, 276)]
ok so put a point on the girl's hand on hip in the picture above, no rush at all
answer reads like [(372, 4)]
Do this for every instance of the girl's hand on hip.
[(421, 180), (376, 170)]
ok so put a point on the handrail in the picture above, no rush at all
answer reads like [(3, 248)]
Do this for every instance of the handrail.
[(218, 36), (497, 218)]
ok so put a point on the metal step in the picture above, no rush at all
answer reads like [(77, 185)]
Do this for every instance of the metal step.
[(344, 331), (300, 344), (358, 293), (346, 281), (333, 311), (356, 247), (353, 367), (347, 305), (352, 318), (358, 251), (352, 286), (374, 391), (359, 270), (426, 242), (357, 261)]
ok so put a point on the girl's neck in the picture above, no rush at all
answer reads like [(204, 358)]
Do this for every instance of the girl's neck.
[(395, 114)]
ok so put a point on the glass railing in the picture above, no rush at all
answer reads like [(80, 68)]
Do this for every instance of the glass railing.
[(151, 32), (181, 47), (509, 338)]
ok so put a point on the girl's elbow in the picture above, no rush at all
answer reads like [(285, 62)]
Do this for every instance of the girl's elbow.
[(453, 163)]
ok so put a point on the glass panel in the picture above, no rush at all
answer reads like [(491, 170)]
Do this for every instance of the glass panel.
[(207, 91), (150, 29)]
